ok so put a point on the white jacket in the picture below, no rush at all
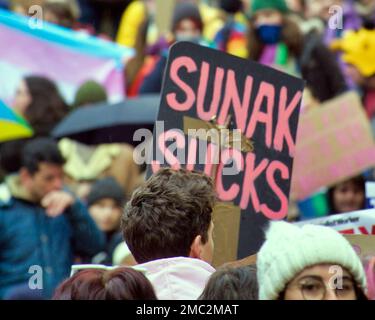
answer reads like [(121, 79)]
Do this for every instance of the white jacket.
[(179, 278)]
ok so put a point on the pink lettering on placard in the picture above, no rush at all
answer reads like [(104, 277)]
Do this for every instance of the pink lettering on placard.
[(211, 158), (179, 138), (218, 85), (232, 97), (270, 176), (155, 166), (266, 91), (232, 192), (192, 154), (282, 128), (250, 175), (177, 64)]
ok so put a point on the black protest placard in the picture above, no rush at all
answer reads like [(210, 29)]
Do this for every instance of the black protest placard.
[(205, 89)]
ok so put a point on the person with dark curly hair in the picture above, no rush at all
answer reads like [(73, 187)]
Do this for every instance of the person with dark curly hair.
[(167, 225)]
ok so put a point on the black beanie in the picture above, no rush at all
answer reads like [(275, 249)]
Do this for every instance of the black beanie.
[(186, 10), (106, 188), (231, 6)]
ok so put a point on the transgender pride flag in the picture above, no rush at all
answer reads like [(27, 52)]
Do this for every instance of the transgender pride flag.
[(67, 57)]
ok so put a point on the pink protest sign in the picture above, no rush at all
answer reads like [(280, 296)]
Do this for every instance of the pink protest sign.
[(334, 142), (208, 91)]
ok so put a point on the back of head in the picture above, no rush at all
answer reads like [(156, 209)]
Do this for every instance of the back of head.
[(166, 214), (47, 107), (10, 155), (38, 85), (106, 188), (232, 284), (98, 284), (40, 150), (289, 249), (88, 93)]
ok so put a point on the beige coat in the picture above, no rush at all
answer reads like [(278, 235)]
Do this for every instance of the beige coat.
[(85, 164)]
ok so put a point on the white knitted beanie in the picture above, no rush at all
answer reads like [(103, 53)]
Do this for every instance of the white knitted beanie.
[(289, 249)]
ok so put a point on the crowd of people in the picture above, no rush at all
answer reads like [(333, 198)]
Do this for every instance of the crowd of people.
[(64, 202)]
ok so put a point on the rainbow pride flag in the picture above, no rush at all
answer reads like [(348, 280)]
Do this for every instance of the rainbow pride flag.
[(67, 57)]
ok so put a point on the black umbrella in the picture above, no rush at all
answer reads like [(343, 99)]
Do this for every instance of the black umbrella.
[(109, 123)]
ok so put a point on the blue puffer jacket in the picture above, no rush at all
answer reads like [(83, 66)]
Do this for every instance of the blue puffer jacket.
[(29, 238)]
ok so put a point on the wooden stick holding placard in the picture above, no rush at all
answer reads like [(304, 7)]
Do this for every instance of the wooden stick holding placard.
[(226, 216)]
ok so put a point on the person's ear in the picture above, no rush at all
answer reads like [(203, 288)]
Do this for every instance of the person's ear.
[(196, 247)]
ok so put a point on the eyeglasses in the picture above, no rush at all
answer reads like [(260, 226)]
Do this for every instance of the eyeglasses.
[(314, 288)]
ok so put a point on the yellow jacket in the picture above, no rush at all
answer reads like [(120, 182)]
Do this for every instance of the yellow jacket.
[(131, 19), (136, 13)]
